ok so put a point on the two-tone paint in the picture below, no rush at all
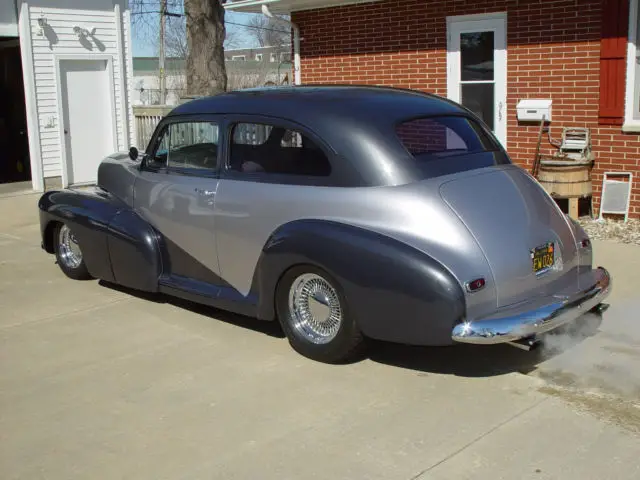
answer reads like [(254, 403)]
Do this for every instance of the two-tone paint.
[(402, 244)]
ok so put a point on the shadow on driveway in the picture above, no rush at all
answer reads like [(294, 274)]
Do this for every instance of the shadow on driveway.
[(462, 360)]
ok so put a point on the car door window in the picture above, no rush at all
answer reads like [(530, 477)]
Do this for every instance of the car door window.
[(159, 158), (193, 145), (272, 149), (187, 146)]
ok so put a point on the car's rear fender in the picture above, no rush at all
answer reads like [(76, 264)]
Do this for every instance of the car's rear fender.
[(395, 292), (117, 245)]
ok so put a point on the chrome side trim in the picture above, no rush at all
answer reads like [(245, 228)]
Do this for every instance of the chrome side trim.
[(543, 319)]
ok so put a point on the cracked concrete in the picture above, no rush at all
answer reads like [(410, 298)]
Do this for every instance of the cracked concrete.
[(98, 382)]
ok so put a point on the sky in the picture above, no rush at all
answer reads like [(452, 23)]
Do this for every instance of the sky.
[(143, 46)]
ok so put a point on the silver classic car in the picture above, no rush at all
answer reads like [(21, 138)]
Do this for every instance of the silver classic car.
[(343, 212)]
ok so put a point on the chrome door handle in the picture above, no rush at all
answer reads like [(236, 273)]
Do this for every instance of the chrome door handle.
[(206, 193)]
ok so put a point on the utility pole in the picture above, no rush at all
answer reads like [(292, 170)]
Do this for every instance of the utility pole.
[(163, 22)]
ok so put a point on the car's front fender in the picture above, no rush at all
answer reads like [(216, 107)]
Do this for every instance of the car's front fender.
[(88, 214), (395, 292), (117, 245)]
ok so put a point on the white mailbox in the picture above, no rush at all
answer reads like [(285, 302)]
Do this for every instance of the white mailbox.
[(532, 110)]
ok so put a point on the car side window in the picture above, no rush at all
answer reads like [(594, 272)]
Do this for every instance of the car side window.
[(159, 157), (193, 145), (272, 149)]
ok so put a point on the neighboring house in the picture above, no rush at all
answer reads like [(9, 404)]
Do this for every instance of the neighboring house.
[(246, 67), (66, 103), (146, 80), (489, 55), (270, 54)]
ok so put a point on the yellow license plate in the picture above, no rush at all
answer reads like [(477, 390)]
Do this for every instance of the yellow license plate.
[(543, 258)]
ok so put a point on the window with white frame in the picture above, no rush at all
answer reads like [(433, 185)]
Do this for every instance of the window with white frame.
[(258, 57), (632, 107), (240, 58)]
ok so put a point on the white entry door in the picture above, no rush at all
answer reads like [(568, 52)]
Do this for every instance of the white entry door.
[(87, 118), (477, 67)]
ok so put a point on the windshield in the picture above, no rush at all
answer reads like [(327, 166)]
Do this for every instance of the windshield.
[(448, 144)]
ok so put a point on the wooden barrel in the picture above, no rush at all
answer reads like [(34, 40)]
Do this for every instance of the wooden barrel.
[(566, 178)]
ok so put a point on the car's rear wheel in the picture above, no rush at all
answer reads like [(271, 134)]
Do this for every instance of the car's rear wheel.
[(68, 253), (315, 316)]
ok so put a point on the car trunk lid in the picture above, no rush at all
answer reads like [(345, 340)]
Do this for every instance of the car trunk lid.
[(510, 215)]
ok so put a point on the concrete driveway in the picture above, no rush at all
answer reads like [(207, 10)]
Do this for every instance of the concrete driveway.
[(101, 383)]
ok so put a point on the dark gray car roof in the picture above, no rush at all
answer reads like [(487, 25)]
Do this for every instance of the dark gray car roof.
[(357, 122), (308, 104)]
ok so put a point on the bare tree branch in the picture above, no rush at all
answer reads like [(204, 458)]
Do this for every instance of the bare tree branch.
[(144, 19), (268, 32), (176, 37)]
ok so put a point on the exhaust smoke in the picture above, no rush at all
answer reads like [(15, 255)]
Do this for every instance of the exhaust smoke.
[(599, 353)]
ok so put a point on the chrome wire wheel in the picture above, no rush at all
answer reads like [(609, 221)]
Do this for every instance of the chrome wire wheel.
[(314, 308), (70, 253)]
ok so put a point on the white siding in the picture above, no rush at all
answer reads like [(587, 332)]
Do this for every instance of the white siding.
[(59, 39)]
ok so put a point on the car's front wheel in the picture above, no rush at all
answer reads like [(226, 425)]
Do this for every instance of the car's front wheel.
[(314, 315), (68, 253)]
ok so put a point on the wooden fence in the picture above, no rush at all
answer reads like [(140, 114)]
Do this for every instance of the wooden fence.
[(147, 118)]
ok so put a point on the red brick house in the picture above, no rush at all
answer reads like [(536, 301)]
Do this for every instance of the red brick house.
[(489, 55)]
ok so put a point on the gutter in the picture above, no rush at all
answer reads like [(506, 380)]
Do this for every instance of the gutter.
[(232, 5)]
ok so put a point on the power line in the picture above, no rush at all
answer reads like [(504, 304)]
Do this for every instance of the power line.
[(256, 26), (145, 13), (171, 14)]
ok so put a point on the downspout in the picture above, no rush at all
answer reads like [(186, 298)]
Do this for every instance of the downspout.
[(296, 45), (296, 54)]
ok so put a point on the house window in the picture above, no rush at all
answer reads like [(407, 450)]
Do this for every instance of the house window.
[(258, 57), (632, 107), (241, 58), (273, 57)]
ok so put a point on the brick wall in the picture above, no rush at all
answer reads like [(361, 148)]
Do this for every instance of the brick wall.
[(552, 52)]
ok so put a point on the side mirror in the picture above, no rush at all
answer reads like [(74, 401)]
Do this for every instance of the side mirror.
[(133, 153)]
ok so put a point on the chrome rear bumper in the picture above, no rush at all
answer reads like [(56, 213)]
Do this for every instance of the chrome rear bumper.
[(502, 329)]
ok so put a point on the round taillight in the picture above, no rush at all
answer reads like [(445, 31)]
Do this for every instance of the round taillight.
[(475, 285)]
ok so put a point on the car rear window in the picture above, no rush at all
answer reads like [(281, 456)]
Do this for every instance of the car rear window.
[(445, 144)]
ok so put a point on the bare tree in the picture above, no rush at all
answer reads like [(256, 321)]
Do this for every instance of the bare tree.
[(205, 35), (176, 38), (269, 32), (176, 47), (144, 18)]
